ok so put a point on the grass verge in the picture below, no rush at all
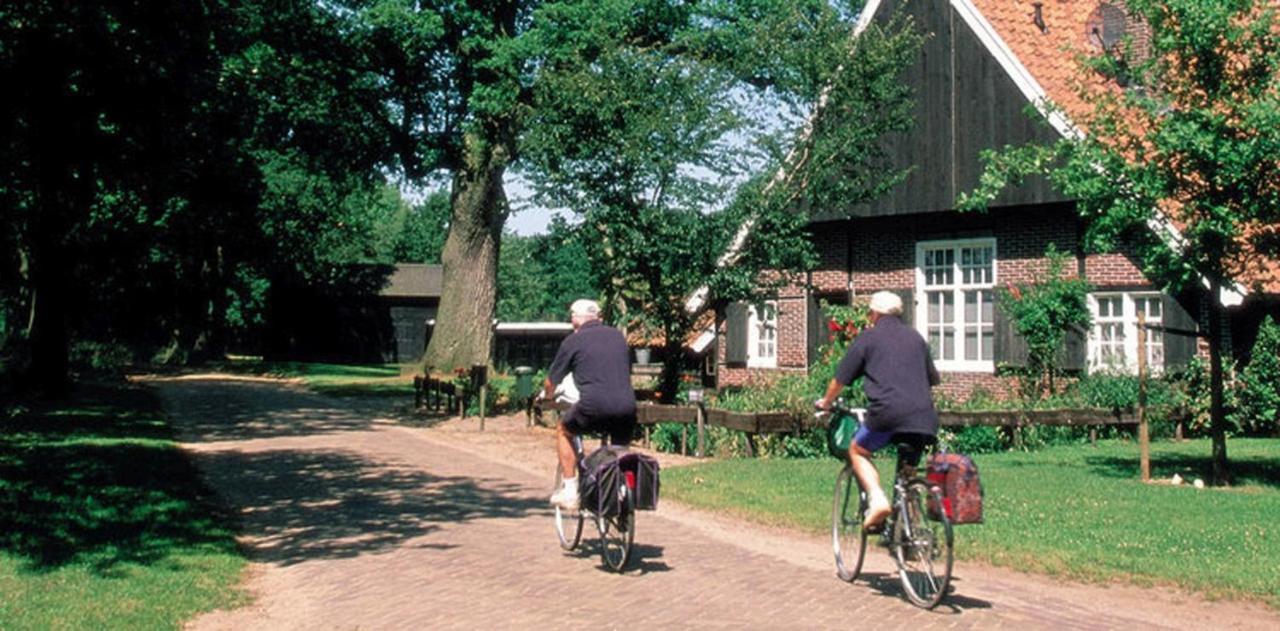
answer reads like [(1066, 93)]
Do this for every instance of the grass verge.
[(103, 521), (343, 380), (1075, 511)]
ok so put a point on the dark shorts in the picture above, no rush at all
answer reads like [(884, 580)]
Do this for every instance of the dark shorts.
[(910, 446), (619, 428)]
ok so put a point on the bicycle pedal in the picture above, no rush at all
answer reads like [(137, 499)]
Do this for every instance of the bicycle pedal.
[(877, 529)]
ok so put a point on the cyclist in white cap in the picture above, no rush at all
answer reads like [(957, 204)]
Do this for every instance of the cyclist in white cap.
[(597, 357), (898, 373)]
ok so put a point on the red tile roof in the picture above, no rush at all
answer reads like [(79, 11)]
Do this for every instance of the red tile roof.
[(1049, 58)]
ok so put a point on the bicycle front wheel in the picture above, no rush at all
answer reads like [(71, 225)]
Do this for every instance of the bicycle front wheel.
[(921, 546), (568, 524), (618, 532), (848, 540)]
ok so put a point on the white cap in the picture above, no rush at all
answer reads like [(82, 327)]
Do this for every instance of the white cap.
[(887, 303), (584, 308)]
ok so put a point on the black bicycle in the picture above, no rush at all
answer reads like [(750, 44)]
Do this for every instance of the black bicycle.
[(917, 533), (617, 532)]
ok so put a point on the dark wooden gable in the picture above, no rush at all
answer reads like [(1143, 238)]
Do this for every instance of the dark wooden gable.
[(965, 102)]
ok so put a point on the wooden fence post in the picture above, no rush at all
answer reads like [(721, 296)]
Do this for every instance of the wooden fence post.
[(701, 451), (1144, 434)]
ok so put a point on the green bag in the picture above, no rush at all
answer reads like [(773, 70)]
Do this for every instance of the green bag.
[(840, 431)]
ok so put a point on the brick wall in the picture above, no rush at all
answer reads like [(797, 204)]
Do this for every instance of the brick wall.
[(883, 257)]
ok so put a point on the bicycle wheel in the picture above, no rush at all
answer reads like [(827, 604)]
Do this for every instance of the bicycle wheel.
[(618, 532), (922, 547), (568, 525), (848, 540)]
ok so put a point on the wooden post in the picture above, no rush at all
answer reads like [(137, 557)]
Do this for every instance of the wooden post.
[(646, 437), (1144, 435), (702, 431), (484, 389), (684, 439)]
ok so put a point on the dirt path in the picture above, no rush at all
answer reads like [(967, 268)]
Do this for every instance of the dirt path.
[(354, 521)]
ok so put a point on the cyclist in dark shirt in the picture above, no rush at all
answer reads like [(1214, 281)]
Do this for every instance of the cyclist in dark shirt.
[(899, 372), (598, 358)]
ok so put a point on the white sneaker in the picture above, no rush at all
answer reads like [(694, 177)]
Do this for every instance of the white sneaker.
[(878, 509), (566, 497)]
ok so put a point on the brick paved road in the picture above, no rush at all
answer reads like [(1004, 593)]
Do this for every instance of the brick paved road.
[(356, 523)]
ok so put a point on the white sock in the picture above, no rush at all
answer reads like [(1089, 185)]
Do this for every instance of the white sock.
[(571, 484)]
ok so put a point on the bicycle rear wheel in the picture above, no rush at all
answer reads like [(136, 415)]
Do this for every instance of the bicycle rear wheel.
[(922, 546), (848, 540), (618, 532), (568, 524)]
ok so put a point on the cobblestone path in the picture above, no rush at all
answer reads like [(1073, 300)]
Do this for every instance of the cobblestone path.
[(357, 522)]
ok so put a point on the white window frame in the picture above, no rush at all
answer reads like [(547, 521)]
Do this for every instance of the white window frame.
[(1129, 321), (762, 336), (958, 286)]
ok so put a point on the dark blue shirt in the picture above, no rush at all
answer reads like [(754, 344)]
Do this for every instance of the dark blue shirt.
[(898, 370), (600, 361)]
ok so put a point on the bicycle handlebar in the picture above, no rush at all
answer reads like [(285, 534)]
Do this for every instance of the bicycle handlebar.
[(839, 406)]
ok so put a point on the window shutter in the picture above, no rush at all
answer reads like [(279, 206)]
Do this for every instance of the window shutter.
[(1074, 351), (817, 321), (908, 297), (1179, 347), (735, 333), (1010, 349)]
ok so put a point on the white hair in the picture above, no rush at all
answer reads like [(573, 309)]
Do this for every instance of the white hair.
[(887, 303), (584, 309)]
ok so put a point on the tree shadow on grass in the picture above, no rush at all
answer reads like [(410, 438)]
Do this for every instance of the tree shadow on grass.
[(94, 481), (1244, 470)]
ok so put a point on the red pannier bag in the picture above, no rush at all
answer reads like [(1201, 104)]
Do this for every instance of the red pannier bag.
[(957, 477)]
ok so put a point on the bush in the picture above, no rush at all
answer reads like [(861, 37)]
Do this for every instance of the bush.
[(1258, 388)]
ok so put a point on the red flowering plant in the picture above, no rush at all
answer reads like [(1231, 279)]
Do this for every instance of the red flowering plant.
[(844, 322)]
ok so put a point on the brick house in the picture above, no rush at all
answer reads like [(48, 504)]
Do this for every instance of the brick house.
[(985, 62)]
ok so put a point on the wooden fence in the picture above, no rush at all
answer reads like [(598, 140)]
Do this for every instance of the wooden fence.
[(755, 423)]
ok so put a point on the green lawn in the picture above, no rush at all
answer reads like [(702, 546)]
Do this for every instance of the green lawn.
[(1076, 511), (335, 379), (103, 523)]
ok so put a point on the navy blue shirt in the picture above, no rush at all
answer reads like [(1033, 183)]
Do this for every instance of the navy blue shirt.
[(898, 370), (600, 361)]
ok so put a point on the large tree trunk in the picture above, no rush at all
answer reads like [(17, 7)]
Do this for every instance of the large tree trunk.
[(463, 334), (1217, 412)]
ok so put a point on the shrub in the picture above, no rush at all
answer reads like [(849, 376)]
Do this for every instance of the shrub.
[(1042, 313), (1258, 388)]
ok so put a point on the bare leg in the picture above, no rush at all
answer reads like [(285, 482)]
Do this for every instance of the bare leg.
[(878, 505), (564, 449)]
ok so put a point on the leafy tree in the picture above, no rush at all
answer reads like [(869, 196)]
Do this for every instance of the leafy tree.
[(458, 86), (413, 233), (168, 169), (1043, 313), (650, 190), (1180, 165)]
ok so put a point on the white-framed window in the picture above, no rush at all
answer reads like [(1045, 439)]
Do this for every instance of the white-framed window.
[(955, 298), (1113, 342), (762, 336)]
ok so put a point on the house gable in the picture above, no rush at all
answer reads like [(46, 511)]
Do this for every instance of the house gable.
[(971, 95)]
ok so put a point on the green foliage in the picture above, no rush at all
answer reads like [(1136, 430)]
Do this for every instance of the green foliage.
[(1043, 313), (414, 233), (1259, 383), (540, 276), (104, 523)]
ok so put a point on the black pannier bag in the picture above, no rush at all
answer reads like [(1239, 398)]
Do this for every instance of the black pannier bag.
[(608, 468), (641, 474), (601, 473)]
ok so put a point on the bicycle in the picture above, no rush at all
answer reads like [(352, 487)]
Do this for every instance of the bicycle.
[(617, 532), (918, 539)]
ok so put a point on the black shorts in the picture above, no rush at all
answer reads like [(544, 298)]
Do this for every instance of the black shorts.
[(619, 428)]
